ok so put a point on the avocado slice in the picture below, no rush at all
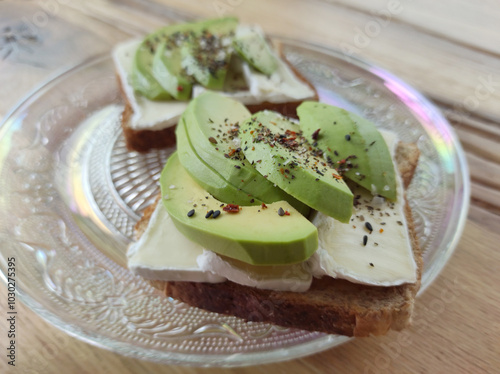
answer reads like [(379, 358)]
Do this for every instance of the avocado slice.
[(207, 57), (251, 45), (276, 148), (175, 39), (253, 235), (169, 74), (205, 176), (353, 144), (143, 79), (212, 122)]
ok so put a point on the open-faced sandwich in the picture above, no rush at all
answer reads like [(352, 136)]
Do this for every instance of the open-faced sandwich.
[(301, 223), (160, 74)]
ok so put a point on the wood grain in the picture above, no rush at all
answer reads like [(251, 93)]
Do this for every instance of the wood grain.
[(449, 50)]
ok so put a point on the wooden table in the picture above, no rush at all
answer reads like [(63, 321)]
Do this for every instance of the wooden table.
[(449, 50)]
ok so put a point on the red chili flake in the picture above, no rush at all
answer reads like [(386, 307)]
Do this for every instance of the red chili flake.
[(381, 231), (264, 206), (341, 161), (180, 88), (287, 213), (231, 208), (336, 176), (315, 134), (282, 171)]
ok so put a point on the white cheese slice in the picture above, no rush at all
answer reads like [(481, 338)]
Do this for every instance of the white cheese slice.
[(148, 114), (295, 277), (163, 253), (386, 259)]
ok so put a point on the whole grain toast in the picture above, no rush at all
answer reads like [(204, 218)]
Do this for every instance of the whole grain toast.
[(333, 306), (146, 140)]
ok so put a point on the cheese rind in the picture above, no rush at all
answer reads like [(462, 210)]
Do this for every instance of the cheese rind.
[(163, 253), (294, 277), (386, 259)]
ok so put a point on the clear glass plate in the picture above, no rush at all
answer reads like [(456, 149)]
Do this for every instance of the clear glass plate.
[(71, 194)]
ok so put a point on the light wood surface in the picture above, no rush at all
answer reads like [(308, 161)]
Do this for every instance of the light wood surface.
[(449, 50)]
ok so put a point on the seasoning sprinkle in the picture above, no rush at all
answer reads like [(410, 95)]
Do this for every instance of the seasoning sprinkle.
[(348, 137), (315, 134), (190, 213), (209, 213), (212, 140), (216, 214), (281, 212), (231, 208), (365, 239), (368, 226), (371, 264)]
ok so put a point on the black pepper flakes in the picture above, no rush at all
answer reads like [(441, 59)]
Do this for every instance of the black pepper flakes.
[(348, 137), (209, 214), (371, 264), (315, 134), (190, 213)]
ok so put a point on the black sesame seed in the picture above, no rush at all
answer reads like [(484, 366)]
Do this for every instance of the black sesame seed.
[(368, 226), (371, 264), (191, 213), (348, 137), (209, 213), (216, 214), (281, 212), (237, 166), (365, 239)]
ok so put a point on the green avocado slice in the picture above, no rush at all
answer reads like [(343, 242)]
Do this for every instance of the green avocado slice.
[(253, 235), (169, 74), (276, 148), (212, 122), (205, 176), (207, 57), (353, 144), (251, 45), (175, 39)]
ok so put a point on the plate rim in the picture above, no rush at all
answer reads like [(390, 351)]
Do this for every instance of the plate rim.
[(317, 345)]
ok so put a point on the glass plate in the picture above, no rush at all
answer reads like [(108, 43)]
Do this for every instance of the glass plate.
[(71, 194)]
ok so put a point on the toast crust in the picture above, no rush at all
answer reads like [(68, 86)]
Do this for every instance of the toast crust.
[(146, 140), (331, 305)]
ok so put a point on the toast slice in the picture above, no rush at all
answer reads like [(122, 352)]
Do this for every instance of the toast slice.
[(331, 305), (144, 140)]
